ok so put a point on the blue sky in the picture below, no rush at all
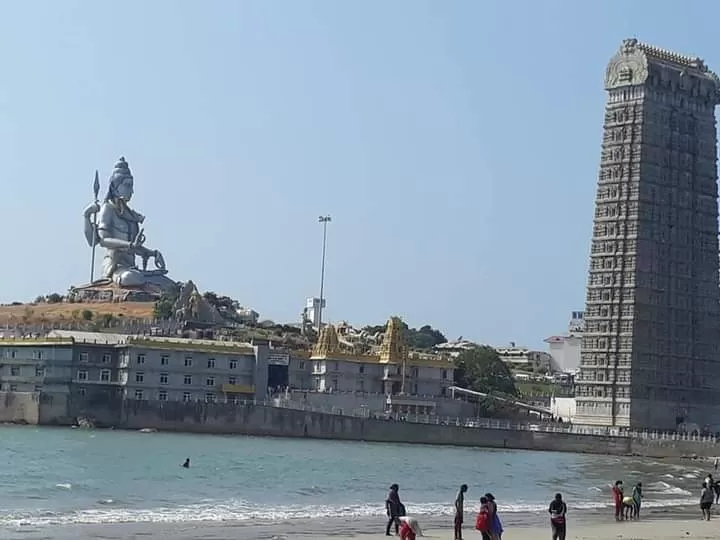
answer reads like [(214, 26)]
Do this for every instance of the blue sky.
[(455, 145)]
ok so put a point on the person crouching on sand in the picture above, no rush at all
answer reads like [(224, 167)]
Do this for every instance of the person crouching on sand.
[(409, 528), (706, 500)]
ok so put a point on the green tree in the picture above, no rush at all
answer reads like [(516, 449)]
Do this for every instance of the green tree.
[(423, 338), (87, 315), (54, 298), (163, 308), (481, 369)]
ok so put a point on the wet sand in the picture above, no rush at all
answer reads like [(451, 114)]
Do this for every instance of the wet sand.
[(652, 529)]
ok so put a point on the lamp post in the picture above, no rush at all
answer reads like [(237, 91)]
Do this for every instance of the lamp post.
[(324, 220)]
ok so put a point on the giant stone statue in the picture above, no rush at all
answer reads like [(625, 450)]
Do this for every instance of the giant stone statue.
[(113, 225)]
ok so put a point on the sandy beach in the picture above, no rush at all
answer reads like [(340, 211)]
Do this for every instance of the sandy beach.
[(642, 530), (653, 529)]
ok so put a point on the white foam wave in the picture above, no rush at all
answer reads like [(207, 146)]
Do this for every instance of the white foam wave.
[(63, 486), (241, 511)]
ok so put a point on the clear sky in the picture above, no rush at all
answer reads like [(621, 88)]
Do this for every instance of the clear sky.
[(455, 145)]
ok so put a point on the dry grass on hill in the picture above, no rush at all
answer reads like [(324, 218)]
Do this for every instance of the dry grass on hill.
[(63, 312)]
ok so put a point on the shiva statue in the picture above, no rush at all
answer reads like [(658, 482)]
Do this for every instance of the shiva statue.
[(113, 225)]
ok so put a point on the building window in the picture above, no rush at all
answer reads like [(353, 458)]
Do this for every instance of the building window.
[(15, 371), (210, 381), (38, 388), (82, 375), (139, 395), (334, 383), (231, 380), (337, 366), (361, 385), (211, 363), (235, 400), (187, 396), (362, 368), (210, 397), (38, 355), (82, 392), (233, 364), (162, 395), (415, 372), (139, 376), (39, 371), (13, 353), (415, 389), (164, 360), (105, 375), (188, 361), (163, 378), (444, 373), (13, 387), (106, 358), (187, 379), (140, 359), (83, 357), (301, 365)]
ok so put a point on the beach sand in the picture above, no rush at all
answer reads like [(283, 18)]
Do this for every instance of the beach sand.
[(655, 529), (641, 530)]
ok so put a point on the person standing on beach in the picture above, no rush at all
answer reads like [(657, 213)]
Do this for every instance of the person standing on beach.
[(706, 500), (637, 496), (483, 523), (617, 492), (496, 529), (394, 508), (459, 511), (557, 510)]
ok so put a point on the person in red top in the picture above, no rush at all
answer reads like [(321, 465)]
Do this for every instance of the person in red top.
[(617, 492), (406, 532)]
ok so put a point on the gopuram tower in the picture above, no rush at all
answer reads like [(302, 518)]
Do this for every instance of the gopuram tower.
[(651, 347)]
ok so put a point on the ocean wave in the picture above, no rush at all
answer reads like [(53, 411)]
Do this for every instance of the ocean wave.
[(242, 511), (663, 488)]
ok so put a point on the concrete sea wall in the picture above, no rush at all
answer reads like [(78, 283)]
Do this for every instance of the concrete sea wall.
[(19, 408), (264, 420)]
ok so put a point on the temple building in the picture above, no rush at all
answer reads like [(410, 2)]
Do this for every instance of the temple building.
[(651, 346), (392, 371)]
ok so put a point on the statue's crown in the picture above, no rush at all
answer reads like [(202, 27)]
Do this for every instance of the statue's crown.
[(122, 168)]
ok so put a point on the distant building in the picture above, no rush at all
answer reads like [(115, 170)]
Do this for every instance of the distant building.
[(454, 348), (101, 366), (247, 315), (523, 358), (393, 372), (565, 349), (311, 313), (651, 343)]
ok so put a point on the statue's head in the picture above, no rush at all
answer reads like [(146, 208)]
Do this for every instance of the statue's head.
[(121, 182)]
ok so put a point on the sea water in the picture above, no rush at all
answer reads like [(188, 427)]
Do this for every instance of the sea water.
[(54, 477)]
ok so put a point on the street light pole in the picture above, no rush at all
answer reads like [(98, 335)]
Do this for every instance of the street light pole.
[(324, 220)]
